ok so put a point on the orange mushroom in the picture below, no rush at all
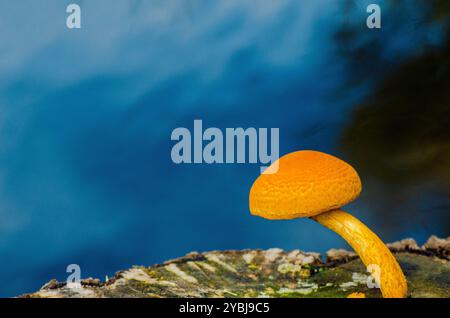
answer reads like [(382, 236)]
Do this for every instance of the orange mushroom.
[(315, 185), (356, 295)]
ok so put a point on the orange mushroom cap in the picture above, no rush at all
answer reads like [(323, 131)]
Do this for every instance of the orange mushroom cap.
[(307, 183)]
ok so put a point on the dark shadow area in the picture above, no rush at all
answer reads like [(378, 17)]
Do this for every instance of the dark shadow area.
[(398, 137)]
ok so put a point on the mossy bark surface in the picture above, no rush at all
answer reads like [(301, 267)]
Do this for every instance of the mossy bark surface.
[(269, 273)]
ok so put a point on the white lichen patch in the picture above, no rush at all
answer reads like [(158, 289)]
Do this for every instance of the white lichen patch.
[(215, 259), (299, 257), (49, 294), (359, 278), (248, 257), (304, 288), (302, 283), (84, 292), (286, 268), (194, 266), (137, 274), (230, 293), (175, 270), (306, 259), (140, 275), (292, 256), (272, 254), (347, 285), (78, 292), (207, 267), (317, 256)]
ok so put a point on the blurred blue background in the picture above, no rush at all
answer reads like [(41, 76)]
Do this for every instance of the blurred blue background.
[(86, 116)]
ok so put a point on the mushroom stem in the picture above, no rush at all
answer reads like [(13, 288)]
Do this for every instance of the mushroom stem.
[(370, 249)]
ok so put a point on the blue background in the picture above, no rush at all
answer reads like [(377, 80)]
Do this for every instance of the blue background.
[(86, 117)]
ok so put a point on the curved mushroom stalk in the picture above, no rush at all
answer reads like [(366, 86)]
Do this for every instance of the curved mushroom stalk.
[(370, 249)]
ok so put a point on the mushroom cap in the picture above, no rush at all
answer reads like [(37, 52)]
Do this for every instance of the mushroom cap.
[(306, 183)]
